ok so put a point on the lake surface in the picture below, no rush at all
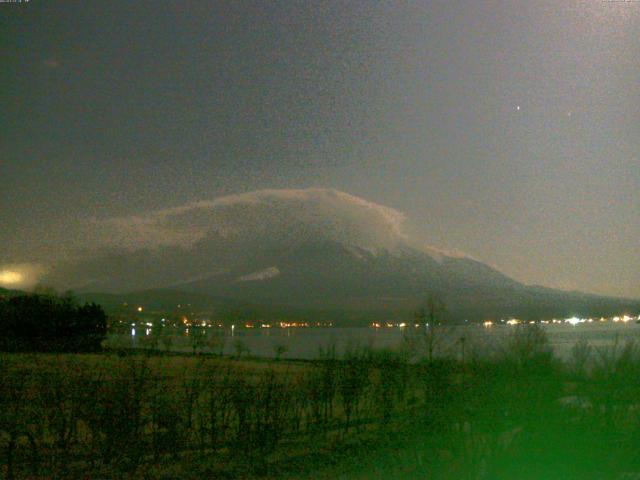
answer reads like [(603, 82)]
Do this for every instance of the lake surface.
[(306, 343)]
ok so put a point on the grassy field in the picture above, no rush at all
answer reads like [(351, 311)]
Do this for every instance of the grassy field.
[(519, 413)]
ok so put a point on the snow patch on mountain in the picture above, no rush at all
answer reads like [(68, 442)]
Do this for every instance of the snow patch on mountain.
[(196, 278), (260, 275)]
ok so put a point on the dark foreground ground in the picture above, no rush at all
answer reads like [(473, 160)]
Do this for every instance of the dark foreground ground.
[(517, 413)]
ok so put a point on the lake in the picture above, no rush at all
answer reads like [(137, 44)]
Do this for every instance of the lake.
[(305, 343)]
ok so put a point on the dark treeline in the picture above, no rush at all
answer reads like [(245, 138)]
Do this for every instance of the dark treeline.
[(50, 323)]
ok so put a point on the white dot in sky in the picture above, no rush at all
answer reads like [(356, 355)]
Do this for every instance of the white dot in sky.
[(518, 107)]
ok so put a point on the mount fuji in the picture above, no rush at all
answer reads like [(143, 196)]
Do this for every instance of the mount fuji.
[(314, 250)]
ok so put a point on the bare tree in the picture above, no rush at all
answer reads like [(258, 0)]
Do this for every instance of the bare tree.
[(431, 317), (436, 309)]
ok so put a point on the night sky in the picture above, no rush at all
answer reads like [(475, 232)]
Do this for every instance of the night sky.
[(506, 130)]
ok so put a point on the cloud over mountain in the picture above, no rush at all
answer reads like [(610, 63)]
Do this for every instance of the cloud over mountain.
[(265, 214)]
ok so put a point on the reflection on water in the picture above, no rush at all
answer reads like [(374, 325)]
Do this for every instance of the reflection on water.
[(305, 343)]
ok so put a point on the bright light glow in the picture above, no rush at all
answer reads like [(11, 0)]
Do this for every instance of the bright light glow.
[(402, 325), (139, 309), (513, 321), (626, 318), (573, 320), (488, 323), (9, 277), (20, 275)]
